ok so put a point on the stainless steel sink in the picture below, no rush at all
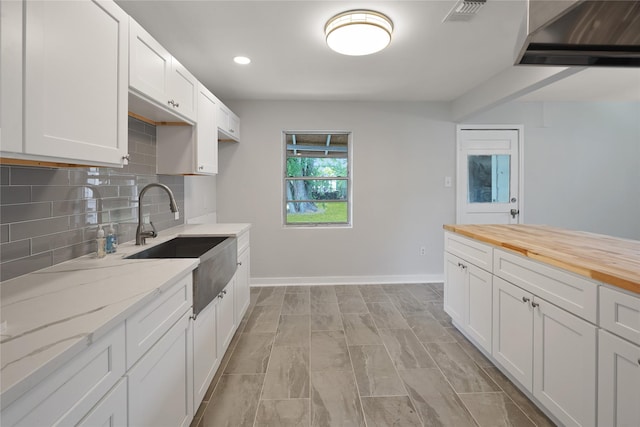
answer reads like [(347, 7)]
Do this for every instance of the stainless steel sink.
[(218, 262)]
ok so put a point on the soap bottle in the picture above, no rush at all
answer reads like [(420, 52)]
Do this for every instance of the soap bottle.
[(111, 240), (100, 241)]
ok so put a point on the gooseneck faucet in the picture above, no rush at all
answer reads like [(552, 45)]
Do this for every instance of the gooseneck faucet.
[(141, 233)]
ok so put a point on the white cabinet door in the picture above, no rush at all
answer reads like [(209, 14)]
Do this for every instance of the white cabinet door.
[(225, 317), (150, 65), (564, 364), (205, 352), (243, 292), (618, 381), (161, 382), (513, 330), (111, 410), (76, 64), (11, 76), (454, 287), (183, 90), (478, 302), (207, 133), (234, 126)]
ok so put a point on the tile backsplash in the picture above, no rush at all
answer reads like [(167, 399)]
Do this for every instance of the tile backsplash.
[(50, 215)]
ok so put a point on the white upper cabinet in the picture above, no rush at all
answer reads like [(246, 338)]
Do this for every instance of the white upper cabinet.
[(190, 150), (228, 124), (157, 76), (75, 82)]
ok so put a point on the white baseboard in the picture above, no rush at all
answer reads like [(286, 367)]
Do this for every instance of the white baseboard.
[(346, 280)]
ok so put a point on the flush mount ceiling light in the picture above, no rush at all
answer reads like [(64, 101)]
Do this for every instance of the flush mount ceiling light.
[(358, 32)]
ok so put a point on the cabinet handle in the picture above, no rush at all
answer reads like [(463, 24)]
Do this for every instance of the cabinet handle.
[(200, 167), (224, 291), (535, 304), (232, 131), (125, 159), (220, 295), (170, 102), (462, 266), (177, 105), (525, 299), (239, 262)]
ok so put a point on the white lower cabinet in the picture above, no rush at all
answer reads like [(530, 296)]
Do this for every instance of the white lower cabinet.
[(551, 352), (243, 291), (206, 357), (513, 331), (618, 381), (225, 316), (160, 383), (68, 394), (478, 305), (111, 410), (564, 364), (454, 277)]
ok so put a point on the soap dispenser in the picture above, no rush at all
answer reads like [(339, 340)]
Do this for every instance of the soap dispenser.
[(111, 240), (100, 242)]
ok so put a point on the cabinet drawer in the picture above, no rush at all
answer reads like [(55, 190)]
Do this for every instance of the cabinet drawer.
[(243, 242), (620, 314), (68, 394), (470, 250), (150, 323), (574, 293)]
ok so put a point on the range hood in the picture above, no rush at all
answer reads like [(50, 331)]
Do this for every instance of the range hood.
[(580, 33)]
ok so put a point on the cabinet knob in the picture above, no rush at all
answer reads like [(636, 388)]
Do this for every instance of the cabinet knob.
[(535, 304), (525, 299), (177, 105)]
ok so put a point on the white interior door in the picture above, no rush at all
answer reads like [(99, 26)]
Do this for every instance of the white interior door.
[(488, 176)]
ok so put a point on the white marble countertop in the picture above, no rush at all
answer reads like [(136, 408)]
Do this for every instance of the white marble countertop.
[(51, 315)]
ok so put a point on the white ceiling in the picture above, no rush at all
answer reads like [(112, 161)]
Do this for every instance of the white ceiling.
[(428, 60)]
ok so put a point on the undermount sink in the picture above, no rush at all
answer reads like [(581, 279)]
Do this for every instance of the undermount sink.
[(218, 262)]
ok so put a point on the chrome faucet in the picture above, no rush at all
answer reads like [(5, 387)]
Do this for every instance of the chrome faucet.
[(141, 233)]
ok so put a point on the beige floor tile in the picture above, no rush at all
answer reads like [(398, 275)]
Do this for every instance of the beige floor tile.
[(235, 401), (323, 294), (295, 303), (283, 413), (293, 330), (495, 410), (329, 351), (405, 350), (263, 319), (390, 411), (360, 329), (374, 371), (386, 316), (428, 329), (288, 374), (251, 354), (434, 399), (459, 369), (334, 400)]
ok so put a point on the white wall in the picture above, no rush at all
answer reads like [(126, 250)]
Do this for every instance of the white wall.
[(582, 171), (582, 163), (401, 154)]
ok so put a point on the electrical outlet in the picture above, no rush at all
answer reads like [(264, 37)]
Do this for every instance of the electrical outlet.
[(423, 250)]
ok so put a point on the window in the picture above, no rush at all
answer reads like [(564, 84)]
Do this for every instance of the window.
[(317, 185)]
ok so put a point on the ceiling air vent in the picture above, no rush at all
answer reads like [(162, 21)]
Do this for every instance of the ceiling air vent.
[(464, 10)]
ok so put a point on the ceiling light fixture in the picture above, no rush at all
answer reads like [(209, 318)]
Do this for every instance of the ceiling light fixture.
[(242, 60), (358, 32)]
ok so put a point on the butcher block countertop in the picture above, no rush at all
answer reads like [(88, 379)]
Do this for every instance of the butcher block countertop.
[(603, 258)]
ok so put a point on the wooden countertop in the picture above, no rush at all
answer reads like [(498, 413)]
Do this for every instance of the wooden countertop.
[(603, 258)]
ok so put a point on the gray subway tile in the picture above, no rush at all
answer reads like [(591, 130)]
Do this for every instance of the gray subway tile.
[(4, 175), (135, 125), (71, 252), (11, 269), (45, 193), (68, 207), (25, 230), (38, 176), (56, 240), (14, 250), (10, 195), (4, 233), (24, 212)]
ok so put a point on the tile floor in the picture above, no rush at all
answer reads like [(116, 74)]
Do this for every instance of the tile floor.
[(372, 355)]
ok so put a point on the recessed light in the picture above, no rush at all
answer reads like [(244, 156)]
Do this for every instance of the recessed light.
[(242, 60)]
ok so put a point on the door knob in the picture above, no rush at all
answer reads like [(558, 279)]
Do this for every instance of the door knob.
[(514, 212)]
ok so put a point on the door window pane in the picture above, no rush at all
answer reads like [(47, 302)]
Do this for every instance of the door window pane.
[(489, 178)]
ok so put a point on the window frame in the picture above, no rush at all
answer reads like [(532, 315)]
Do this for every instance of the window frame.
[(348, 179)]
